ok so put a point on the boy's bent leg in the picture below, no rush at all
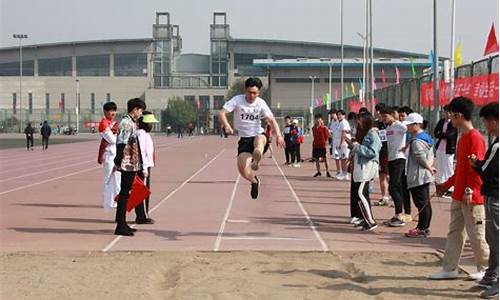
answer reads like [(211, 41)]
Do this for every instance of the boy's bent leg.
[(244, 161), (259, 144)]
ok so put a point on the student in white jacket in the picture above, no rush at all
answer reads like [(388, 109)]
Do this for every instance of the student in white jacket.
[(108, 129), (147, 149)]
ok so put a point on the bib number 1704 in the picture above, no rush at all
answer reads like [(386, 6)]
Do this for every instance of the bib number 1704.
[(249, 117)]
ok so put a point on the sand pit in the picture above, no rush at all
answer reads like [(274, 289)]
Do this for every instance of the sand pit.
[(225, 275)]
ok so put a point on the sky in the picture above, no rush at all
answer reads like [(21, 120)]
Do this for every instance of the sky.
[(397, 24)]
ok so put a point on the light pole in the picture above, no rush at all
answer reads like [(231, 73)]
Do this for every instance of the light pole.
[(342, 54), (311, 108), (364, 38), (435, 67), (77, 108), (20, 37), (452, 56), (329, 98)]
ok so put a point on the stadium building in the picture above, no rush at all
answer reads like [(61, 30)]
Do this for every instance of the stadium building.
[(55, 75)]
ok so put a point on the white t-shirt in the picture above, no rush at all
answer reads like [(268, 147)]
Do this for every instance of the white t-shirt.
[(247, 117), (396, 140), (442, 142), (337, 130)]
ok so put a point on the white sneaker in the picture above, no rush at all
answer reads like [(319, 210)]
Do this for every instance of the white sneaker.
[(297, 165), (354, 220), (477, 276), (347, 177), (442, 274), (340, 176)]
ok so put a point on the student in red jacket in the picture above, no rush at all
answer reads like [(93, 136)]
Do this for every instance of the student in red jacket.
[(467, 209), (321, 135)]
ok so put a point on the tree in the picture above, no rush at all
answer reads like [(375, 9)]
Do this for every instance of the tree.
[(178, 113)]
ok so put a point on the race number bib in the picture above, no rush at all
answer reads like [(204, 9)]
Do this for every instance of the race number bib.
[(249, 117), (383, 135)]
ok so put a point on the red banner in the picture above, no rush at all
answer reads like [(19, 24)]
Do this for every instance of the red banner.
[(355, 105), (481, 90)]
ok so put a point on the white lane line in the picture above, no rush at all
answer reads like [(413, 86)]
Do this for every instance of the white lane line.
[(47, 170), (226, 216), (48, 180), (309, 221), (59, 177), (116, 239), (237, 221), (266, 238)]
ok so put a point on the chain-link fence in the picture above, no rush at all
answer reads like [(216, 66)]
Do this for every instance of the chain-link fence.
[(408, 92)]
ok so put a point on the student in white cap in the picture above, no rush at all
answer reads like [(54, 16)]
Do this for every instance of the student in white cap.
[(146, 145), (420, 173)]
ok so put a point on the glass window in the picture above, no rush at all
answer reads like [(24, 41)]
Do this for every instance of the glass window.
[(215, 80), (14, 103), (30, 103), (62, 104), (205, 102), (92, 103), (215, 68), (92, 65), (218, 102), (12, 68), (223, 81), (55, 67), (130, 64), (47, 103)]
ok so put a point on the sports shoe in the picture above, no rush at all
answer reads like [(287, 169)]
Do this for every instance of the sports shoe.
[(328, 175), (407, 218), (340, 176), (395, 222), (477, 276), (360, 224), (353, 220), (317, 174), (369, 227), (486, 281), (381, 202), (254, 191), (442, 275), (415, 233), (296, 165), (491, 292), (347, 177)]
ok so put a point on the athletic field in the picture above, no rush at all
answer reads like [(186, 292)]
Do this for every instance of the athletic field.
[(210, 239)]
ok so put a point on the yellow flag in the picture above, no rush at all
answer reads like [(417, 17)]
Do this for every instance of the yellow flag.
[(458, 55), (279, 105), (353, 89)]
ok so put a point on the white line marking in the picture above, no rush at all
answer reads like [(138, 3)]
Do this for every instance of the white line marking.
[(48, 180), (56, 178), (113, 242), (226, 215), (266, 238), (47, 170), (237, 221), (311, 224)]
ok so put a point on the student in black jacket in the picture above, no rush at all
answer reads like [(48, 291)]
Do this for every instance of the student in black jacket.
[(29, 131), (446, 144), (45, 132), (488, 170)]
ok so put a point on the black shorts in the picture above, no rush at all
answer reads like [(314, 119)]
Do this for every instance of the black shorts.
[(319, 152), (245, 144)]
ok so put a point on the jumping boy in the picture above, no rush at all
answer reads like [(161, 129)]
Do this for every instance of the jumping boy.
[(249, 109)]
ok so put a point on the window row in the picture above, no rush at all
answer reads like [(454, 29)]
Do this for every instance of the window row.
[(60, 102), (132, 64)]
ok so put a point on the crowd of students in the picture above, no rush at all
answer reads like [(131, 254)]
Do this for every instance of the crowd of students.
[(395, 145)]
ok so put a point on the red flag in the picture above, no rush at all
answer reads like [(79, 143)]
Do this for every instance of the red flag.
[(336, 94), (383, 78), (491, 44), (397, 74), (198, 103)]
